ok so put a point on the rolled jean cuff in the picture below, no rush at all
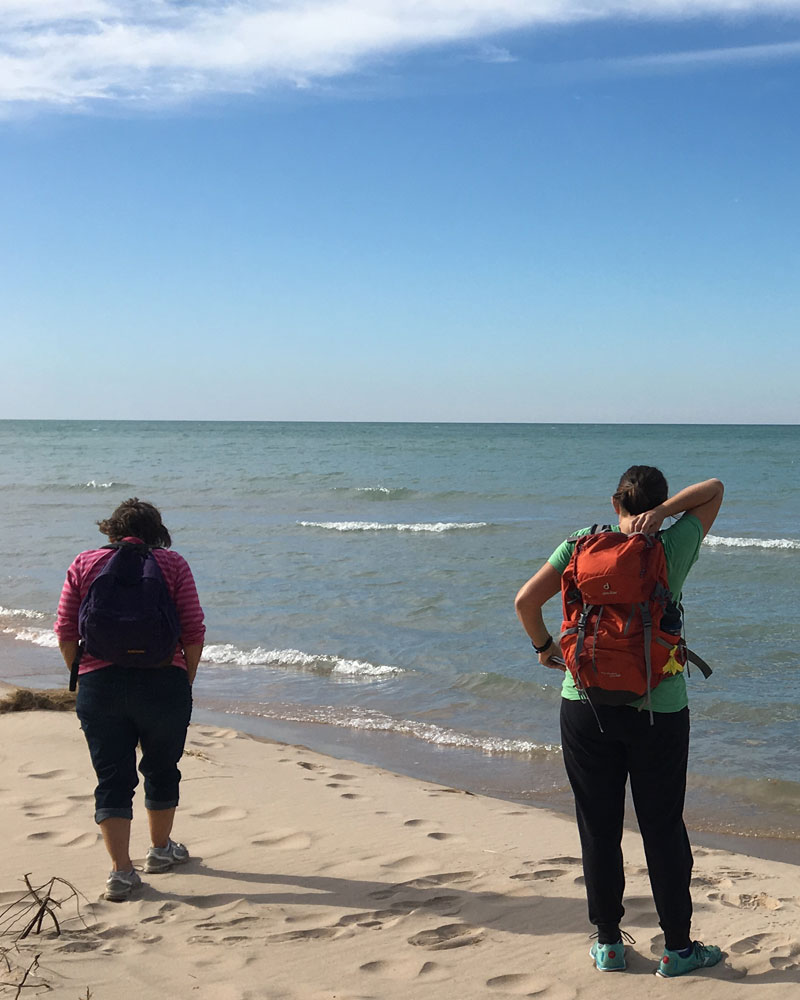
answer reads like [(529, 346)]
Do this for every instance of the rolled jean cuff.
[(111, 812), (155, 806)]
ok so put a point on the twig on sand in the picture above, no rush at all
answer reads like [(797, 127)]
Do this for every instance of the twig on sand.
[(23, 983), (40, 901)]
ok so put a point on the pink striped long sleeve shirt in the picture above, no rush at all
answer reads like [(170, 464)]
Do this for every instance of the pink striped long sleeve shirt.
[(177, 576)]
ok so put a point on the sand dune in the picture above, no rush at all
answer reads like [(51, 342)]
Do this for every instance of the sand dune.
[(314, 879)]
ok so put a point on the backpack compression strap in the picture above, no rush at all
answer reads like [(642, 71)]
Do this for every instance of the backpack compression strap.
[(691, 657)]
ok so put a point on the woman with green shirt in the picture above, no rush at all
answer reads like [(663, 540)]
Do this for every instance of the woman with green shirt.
[(652, 751)]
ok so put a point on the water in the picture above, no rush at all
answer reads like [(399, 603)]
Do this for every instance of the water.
[(358, 582)]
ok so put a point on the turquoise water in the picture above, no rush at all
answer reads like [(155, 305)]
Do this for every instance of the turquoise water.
[(359, 578)]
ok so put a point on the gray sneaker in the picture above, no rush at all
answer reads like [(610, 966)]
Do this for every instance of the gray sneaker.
[(162, 859), (120, 885)]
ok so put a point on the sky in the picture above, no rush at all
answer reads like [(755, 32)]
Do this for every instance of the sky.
[(455, 210)]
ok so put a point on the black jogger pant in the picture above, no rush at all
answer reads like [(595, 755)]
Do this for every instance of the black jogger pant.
[(598, 765)]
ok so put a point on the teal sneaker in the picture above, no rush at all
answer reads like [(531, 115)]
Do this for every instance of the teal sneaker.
[(608, 957), (701, 957)]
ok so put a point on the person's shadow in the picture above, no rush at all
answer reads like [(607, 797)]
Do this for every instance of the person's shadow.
[(468, 913)]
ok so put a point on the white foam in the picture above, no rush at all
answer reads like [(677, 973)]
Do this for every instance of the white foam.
[(93, 484), (436, 527), (718, 541), (373, 721), (38, 636), (20, 613), (323, 663)]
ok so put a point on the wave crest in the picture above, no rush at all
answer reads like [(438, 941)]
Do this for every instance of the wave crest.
[(38, 636), (436, 527), (719, 541), (21, 613), (324, 664), (374, 721)]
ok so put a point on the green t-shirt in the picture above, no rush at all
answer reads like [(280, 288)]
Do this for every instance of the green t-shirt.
[(681, 547)]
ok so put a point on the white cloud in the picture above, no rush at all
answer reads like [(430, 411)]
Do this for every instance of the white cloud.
[(73, 52), (710, 57)]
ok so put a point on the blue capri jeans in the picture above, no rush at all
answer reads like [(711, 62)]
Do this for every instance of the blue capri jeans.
[(122, 707)]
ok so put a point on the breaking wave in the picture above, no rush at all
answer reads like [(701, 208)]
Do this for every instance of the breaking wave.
[(323, 664), (38, 636), (21, 613), (436, 527), (718, 541), (374, 721)]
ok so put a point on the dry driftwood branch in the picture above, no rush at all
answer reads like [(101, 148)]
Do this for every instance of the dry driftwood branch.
[(23, 983), (41, 901)]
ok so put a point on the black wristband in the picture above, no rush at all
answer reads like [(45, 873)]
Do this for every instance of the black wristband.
[(543, 649)]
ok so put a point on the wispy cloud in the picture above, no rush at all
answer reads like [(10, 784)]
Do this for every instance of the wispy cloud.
[(75, 52), (743, 54)]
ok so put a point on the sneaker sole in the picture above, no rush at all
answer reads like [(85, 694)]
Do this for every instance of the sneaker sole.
[(120, 896), (160, 869)]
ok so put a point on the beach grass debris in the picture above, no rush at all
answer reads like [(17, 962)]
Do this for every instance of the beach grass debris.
[(29, 700), (26, 974), (27, 914)]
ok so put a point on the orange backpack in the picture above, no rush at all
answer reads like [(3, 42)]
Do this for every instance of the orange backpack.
[(621, 626)]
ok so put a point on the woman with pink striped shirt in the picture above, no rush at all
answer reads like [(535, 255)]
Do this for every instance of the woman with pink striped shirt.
[(120, 707)]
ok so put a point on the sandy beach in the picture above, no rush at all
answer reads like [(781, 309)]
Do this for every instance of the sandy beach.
[(314, 879)]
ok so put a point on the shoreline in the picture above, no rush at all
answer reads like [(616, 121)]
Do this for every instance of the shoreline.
[(713, 814), (314, 879)]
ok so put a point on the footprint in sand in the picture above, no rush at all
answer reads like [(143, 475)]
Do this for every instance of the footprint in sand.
[(426, 882), (558, 861), (57, 773), (312, 934), (445, 906), (409, 861), (222, 925), (745, 901), (442, 836), (351, 796), (432, 972), (417, 822), (165, 911), (78, 946), (67, 838), (308, 766), (447, 936), (517, 984), (290, 840), (47, 810), (751, 945), (219, 734), (548, 874), (405, 970), (220, 813)]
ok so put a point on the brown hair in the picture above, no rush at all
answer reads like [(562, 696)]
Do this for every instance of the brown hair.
[(137, 518), (641, 488)]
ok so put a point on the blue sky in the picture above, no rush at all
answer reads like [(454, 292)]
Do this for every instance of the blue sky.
[(389, 211)]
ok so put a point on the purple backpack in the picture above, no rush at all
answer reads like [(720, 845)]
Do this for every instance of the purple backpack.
[(127, 615)]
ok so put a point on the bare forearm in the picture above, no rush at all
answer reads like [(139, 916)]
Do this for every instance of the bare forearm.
[(702, 499), (692, 496), (192, 654), (528, 605), (69, 650)]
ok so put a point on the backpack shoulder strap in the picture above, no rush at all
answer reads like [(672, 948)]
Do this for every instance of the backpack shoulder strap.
[(595, 529)]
